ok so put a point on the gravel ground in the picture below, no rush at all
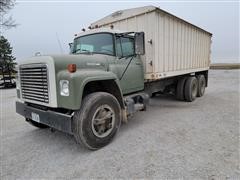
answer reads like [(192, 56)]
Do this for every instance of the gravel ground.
[(173, 139)]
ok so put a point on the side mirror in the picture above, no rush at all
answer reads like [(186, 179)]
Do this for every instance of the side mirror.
[(71, 47), (139, 43)]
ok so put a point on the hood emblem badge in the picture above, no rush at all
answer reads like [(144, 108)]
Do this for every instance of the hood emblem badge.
[(93, 64)]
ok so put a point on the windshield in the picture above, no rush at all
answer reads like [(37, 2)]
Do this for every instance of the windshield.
[(101, 43)]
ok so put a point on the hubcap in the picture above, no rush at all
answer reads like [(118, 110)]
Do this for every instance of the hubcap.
[(194, 90), (103, 121), (202, 85)]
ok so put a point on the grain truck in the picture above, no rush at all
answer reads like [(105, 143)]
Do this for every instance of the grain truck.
[(112, 71)]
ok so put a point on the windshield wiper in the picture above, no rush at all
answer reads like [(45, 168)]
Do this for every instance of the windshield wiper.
[(76, 50), (83, 50), (126, 56)]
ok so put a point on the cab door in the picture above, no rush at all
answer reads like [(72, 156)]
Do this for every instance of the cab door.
[(129, 73)]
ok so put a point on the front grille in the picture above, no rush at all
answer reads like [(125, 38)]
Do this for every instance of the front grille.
[(34, 82)]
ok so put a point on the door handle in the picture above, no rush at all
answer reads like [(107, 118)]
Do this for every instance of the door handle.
[(138, 63)]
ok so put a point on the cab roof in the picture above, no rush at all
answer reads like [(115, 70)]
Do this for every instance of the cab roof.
[(98, 30)]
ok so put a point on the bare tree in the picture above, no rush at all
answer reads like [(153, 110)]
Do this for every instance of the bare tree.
[(6, 22)]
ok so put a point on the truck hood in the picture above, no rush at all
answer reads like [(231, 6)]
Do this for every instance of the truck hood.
[(57, 67), (83, 61)]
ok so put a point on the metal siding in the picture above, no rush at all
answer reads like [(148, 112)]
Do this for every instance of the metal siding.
[(160, 49), (182, 46), (201, 50), (176, 47), (170, 50), (194, 48), (179, 55), (191, 48), (157, 44), (166, 44), (185, 47), (198, 50), (150, 27)]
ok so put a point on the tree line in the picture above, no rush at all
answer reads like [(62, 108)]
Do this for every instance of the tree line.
[(7, 60)]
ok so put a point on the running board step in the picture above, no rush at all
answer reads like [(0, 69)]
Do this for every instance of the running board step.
[(136, 102)]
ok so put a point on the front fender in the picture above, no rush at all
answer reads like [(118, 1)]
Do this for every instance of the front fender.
[(77, 82)]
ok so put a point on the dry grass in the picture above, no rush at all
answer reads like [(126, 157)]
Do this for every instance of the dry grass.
[(225, 66)]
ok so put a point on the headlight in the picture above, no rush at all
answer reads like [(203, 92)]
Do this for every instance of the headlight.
[(64, 87)]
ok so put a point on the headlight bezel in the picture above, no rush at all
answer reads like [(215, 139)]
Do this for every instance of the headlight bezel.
[(64, 88)]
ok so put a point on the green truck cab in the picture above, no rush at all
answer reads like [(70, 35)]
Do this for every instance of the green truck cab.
[(84, 93)]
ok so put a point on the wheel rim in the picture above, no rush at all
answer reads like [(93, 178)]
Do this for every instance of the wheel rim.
[(202, 85), (103, 121), (194, 90)]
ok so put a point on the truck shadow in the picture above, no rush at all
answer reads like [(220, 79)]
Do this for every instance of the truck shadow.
[(6, 88), (166, 101), (159, 104), (67, 143), (55, 140), (169, 97)]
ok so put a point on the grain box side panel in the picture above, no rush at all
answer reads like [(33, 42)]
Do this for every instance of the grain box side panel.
[(150, 36), (160, 46), (179, 40), (194, 48), (177, 47), (181, 47), (166, 43), (175, 43)]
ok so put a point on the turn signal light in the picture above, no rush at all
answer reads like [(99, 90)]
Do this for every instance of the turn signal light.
[(72, 68)]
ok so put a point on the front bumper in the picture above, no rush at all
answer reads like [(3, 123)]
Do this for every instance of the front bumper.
[(56, 120)]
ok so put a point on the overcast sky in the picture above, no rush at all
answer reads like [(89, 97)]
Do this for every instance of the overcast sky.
[(41, 22)]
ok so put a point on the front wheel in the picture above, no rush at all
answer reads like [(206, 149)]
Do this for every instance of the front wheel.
[(97, 121)]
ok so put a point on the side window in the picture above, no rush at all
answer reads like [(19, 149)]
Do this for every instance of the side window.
[(118, 47), (124, 46), (127, 46)]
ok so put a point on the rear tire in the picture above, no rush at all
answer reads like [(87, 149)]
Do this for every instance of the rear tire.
[(97, 121), (190, 89), (180, 89), (201, 85)]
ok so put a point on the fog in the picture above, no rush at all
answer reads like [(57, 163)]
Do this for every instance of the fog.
[(42, 24)]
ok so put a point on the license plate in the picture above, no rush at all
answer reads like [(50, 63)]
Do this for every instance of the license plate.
[(35, 117)]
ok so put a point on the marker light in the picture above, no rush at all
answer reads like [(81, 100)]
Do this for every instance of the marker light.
[(72, 68)]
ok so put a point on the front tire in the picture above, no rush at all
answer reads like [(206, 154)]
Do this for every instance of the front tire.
[(97, 121)]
